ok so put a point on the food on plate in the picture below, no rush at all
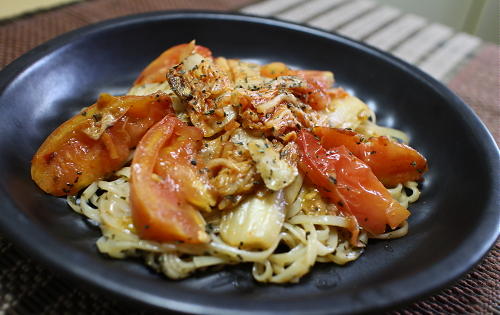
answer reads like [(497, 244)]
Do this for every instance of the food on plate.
[(213, 161)]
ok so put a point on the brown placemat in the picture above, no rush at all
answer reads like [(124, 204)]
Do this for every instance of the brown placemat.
[(26, 287)]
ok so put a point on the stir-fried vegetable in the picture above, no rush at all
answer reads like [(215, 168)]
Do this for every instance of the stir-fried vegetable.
[(95, 142), (256, 223), (156, 71), (391, 162), (346, 181), (166, 186)]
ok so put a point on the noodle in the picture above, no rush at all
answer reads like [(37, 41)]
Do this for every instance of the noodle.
[(308, 238)]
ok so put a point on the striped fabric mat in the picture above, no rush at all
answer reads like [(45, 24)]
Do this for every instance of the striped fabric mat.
[(434, 48)]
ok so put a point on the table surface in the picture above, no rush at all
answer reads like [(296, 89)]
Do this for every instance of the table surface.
[(466, 64)]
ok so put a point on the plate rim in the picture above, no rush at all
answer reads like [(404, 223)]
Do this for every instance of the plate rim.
[(75, 272)]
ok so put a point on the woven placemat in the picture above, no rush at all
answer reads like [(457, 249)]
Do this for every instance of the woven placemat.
[(26, 287)]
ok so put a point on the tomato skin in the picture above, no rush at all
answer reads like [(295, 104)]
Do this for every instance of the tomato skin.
[(391, 162), (71, 159), (345, 180), (160, 207), (317, 83), (157, 70)]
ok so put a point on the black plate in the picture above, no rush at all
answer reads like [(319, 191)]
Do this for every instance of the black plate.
[(453, 225)]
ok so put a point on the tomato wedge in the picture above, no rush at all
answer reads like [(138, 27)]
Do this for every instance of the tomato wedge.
[(346, 181), (391, 162), (314, 92), (166, 185), (95, 142), (157, 70)]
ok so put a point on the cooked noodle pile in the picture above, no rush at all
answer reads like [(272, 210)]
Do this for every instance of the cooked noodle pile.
[(258, 192), (307, 237)]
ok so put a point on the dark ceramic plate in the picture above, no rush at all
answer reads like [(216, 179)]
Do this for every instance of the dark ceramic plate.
[(453, 225)]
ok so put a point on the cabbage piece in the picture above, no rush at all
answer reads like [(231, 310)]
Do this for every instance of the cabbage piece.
[(256, 223), (347, 112), (276, 172)]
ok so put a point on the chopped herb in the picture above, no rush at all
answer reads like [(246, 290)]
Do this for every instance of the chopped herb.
[(413, 163), (332, 179), (210, 112)]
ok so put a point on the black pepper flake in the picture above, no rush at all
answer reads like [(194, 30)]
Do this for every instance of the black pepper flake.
[(239, 257), (146, 226), (65, 190), (193, 162), (97, 117), (373, 152), (340, 204), (332, 179), (69, 184), (210, 112), (79, 173), (413, 163), (209, 228), (84, 114)]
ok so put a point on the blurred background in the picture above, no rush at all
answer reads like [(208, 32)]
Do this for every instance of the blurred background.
[(477, 17)]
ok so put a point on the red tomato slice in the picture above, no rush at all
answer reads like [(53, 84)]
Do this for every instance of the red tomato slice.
[(316, 90), (157, 70), (346, 181), (160, 209), (391, 162), (96, 142)]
